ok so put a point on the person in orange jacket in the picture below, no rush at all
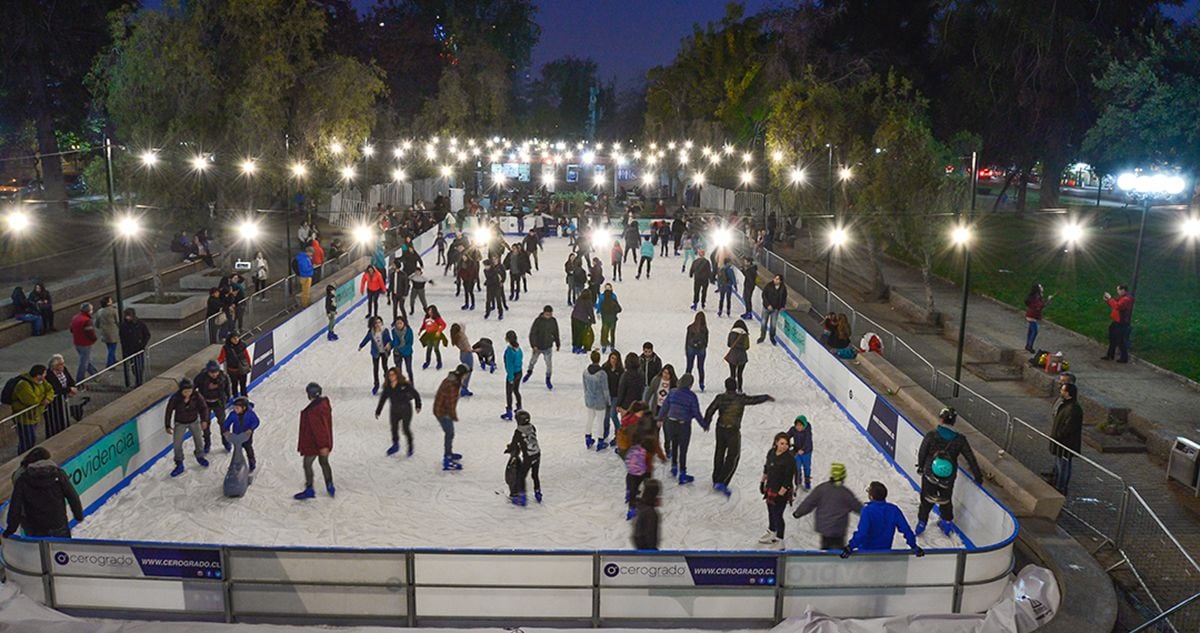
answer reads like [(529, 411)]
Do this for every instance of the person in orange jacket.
[(372, 284), (1121, 315)]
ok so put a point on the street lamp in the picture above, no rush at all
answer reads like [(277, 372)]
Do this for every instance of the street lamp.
[(363, 235), (149, 158), (398, 174), (797, 176), (1071, 233), (1146, 188), (17, 221), (961, 236), (837, 239), (347, 173)]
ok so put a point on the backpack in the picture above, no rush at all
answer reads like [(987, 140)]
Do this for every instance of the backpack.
[(10, 387)]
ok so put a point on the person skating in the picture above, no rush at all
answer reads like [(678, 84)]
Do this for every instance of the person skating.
[(466, 355), (398, 288), (372, 283), (445, 409), (597, 401), (778, 488), (878, 523), (417, 281), (631, 386), (486, 352), (402, 346), (583, 315), (833, 503), (524, 443), (579, 277), (569, 271), (185, 411), (235, 358), (802, 446), (695, 346), (736, 358), (316, 440), (242, 419), (774, 299), (514, 362), (432, 335), (543, 341), (651, 366), (749, 284), (660, 386), (468, 278), (678, 228), (726, 280), (614, 369), (40, 495), (647, 249), (493, 283), (614, 256), (946, 443), (689, 252), (401, 398), (380, 340), (645, 524), (639, 457), (512, 263), (633, 240), (331, 310), (1066, 431), (677, 411), (702, 275), (609, 307), (440, 242), (213, 386), (729, 407)]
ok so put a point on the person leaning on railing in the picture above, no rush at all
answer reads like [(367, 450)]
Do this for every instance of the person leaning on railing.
[(30, 396), (40, 490)]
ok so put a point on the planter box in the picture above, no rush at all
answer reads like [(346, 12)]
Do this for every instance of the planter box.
[(203, 280), (188, 306)]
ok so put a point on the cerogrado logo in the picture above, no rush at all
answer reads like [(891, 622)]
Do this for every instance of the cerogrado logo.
[(612, 570), (96, 560), (61, 558)]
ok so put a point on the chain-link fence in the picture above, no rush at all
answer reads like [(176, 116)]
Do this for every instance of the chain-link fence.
[(1166, 570)]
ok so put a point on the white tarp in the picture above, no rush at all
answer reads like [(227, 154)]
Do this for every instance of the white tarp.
[(1031, 600)]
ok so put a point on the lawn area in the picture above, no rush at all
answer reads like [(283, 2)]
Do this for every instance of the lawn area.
[(1012, 253)]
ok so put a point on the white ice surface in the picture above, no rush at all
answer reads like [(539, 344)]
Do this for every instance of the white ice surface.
[(410, 502)]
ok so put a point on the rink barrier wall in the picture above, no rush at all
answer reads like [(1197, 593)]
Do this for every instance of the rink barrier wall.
[(420, 586)]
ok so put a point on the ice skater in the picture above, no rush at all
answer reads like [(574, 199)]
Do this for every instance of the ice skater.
[(609, 307), (468, 278), (695, 342), (486, 352), (372, 283), (524, 443), (242, 421), (596, 401), (729, 407), (639, 459), (432, 335), (778, 488), (402, 346), (645, 524), (417, 282), (213, 386), (802, 447), (947, 444), (647, 250), (493, 283), (878, 523), (331, 310), (514, 360), (749, 284), (676, 412), (702, 275), (187, 410), (316, 440), (774, 300), (726, 280), (616, 259), (738, 355), (380, 340), (652, 366), (445, 409), (833, 503), (398, 288), (401, 398), (583, 315), (543, 341), (466, 355)]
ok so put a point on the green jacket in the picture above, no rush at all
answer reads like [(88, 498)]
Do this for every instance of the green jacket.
[(29, 399), (1067, 428)]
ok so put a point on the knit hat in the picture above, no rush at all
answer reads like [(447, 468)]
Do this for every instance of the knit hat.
[(212, 366), (948, 416), (313, 390), (522, 417), (685, 381), (837, 472), (801, 419)]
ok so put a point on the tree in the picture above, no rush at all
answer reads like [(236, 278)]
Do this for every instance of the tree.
[(48, 46), (1150, 105), (473, 96), (561, 96)]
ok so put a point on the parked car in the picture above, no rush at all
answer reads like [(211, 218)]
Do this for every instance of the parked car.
[(76, 185)]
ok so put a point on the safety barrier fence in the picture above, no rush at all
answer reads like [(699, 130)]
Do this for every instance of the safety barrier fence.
[(1098, 502), (423, 587)]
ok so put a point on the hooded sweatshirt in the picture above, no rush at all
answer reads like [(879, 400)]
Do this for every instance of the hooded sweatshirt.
[(37, 500), (946, 440), (833, 503)]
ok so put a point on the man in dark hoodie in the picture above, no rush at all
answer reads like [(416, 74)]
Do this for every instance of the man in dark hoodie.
[(749, 283), (39, 493), (944, 443), (729, 408), (187, 410), (702, 275), (833, 503), (652, 367), (677, 411), (134, 338), (543, 340)]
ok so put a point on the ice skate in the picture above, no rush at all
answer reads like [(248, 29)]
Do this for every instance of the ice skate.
[(178, 470), (767, 537), (684, 478), (587, 439), (393, 449), (449, 464), (919, 528), (307, 493), (330, 489)]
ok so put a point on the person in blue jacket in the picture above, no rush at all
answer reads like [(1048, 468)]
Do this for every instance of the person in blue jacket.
[(402, 345), (878, 523), (514, 367), (380, 339), (677, 411), (243, 419), (304, 273), (802, 446)]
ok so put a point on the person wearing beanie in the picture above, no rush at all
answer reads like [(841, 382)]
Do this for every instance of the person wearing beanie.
[(445, 409), (608, 307), (596, 400), (543, 340), (316, 440), (525, 444), (801, 437), (242, 421), (833, 502), (948, 444), (878, 523), (729, 407), (214, 387), (645, 524), (677, 411), (186, 411), (778, 488)]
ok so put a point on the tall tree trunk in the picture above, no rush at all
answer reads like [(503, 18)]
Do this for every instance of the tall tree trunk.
[(1022, 192), (879, 289), (52, 174), (927, 281), (1007, 183), (148, 250), (1052, 169)]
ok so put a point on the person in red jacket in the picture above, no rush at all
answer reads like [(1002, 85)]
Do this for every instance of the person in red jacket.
[(318, 259), (1121, 313), (83, 335), (372, 284), (316, 440)]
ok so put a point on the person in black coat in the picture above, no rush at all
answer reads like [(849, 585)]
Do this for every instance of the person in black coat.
[(946, 443), (702, 275), (778, 486), (749, 283), (134, 337), (1067, 431), (41, 492), (631, 384), (774, 300), (402, 397), (645, 524)]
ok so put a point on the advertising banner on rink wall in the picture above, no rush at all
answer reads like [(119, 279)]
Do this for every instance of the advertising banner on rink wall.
[(112, 452), (883, 426), (136, 562), (688, 571)]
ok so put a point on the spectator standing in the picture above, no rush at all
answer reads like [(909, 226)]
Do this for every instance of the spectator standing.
[(83, 335), (30, 397), (134, 338), (304, 272), (57, 414), (1120, 315), (1035, 302), (1067, 431), (110, 330)]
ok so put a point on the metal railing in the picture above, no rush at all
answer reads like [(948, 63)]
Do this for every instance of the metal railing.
[(1098, 501)]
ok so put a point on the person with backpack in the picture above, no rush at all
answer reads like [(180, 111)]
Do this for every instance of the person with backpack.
[(213, 386), (316, 440), (833, 502), (514, 360), (543, 340), (40, 495), (945, 444), (877, 525), (778, 488), (524, 443), (726, 280), (186, 412), (639, 457), (609, 307), (242, 420), (729, 407), (29, 394), (401, 398), (235, 356)]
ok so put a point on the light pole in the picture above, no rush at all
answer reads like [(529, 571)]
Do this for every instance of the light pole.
[(112, 213), (961, 236), (837, 239), (299, 170), (829, 183), (1146, 188), (368, 151)]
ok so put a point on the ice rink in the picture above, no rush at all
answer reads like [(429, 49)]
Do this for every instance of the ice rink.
[(410, 502)]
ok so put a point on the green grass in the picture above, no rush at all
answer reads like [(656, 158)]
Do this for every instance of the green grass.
[(1012, 253)]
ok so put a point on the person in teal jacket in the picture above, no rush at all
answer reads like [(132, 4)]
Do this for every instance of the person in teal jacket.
[(402, 346), (878, 523), (380, 339), (379, 257), (514, 363), (647, 250)]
